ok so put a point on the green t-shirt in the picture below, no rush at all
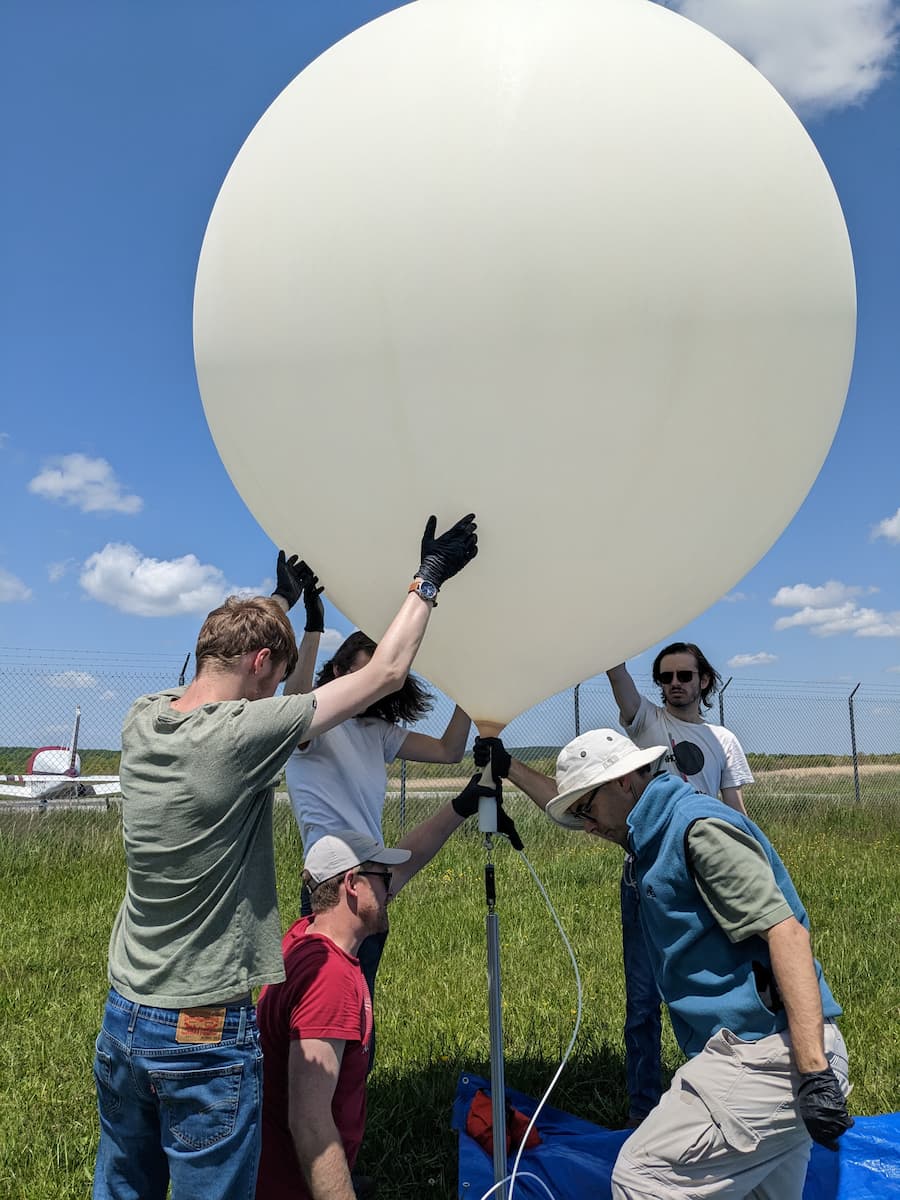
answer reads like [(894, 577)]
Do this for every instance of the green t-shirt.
[(735, 879), (199, 923)]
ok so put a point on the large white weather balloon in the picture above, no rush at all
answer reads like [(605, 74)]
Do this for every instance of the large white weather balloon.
[(573, 265)]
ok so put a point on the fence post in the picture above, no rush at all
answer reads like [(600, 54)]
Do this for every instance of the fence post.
[(402, 795), (853, 744), (577, 711), (722, 699)]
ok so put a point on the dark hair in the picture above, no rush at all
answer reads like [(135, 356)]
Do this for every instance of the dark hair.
[(241, 626), (409, 703), (704, 666)]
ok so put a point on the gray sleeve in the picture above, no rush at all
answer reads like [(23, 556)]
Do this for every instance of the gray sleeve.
[(735, 879), (267, 731)]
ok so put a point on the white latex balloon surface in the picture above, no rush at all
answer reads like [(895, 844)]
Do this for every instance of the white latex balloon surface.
[(572, 265)]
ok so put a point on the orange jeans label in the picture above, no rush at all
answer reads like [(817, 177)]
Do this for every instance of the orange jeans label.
[(200, 1025)]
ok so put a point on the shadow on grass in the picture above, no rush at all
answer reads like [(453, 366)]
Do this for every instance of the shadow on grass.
[(412, 1156)]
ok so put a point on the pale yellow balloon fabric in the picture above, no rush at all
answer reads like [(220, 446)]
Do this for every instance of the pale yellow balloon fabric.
[(573, 265)]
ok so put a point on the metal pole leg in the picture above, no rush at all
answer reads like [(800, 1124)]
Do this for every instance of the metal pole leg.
[(495, 1013)]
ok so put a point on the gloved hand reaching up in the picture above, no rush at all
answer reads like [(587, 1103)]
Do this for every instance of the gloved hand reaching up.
[(289, 574), (446, 554), (312, 602)]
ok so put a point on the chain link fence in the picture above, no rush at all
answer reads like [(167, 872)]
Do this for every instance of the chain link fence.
[(808, 744)]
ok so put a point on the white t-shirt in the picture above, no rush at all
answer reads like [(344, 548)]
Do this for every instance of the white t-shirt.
[(339, 780), (708, 756)]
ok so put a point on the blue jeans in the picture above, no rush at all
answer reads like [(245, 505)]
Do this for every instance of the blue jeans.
[(642, 1019), (187, 1112)]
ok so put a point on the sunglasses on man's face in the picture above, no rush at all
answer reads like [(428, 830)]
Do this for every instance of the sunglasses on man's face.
[(387, 876), (681, 676), (582, 811)]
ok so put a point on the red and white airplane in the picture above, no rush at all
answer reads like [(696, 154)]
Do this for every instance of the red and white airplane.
[(54, 773)]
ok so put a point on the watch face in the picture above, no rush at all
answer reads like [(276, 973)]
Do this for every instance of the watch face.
[(427, 590)]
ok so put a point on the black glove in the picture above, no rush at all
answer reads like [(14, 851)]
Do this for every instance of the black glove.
[(312, 602), (491, 750), (443, 556), (289, 575), (466, 805), (823, 1108)]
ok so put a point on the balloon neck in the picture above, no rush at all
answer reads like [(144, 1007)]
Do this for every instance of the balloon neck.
[(488, 728)]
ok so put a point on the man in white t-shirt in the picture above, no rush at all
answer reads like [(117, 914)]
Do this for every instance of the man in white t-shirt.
[(710, 758)]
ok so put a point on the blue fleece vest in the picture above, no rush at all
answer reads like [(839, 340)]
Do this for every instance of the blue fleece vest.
[(707, 981)]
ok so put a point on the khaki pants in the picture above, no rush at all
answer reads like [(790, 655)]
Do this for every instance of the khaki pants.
[(727, 1127)]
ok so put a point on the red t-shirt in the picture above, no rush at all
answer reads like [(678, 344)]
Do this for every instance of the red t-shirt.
[(324, 995)]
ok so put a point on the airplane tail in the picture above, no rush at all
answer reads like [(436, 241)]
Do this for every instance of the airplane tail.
[(72, 769)]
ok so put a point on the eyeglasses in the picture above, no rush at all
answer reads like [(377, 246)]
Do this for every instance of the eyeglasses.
[(583, 810), (681, 676), (387, 876)]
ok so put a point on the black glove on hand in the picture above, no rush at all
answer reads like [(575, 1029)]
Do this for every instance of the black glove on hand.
[(312, 602), (444, 556), (823, 1108), (466, 805), (289, 574), (491, 750)]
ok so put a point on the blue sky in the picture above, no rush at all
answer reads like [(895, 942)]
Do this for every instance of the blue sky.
[(121, 526)]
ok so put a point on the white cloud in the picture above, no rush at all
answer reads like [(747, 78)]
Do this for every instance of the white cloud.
[(734, 597), (4, 438), (12, 588), (896, 670), (86, 483), (119, 575), (56, 570), (801, 595), (888, 528), (832, 609), (761, 659), (330, 640), (844, 618), (820, 54), (72, 679)]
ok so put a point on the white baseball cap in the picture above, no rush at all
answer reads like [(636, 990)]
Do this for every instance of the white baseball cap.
[(590, 760), (342, 851)]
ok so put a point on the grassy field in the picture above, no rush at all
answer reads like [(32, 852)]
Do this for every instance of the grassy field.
[(61, 879)]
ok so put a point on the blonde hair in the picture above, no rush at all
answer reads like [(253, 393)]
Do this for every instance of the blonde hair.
[(239, 627)]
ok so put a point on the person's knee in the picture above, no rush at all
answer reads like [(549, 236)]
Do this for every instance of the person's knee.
[(627, 1184)]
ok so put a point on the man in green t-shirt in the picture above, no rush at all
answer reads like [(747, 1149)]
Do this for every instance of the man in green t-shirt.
[(178, 1068)]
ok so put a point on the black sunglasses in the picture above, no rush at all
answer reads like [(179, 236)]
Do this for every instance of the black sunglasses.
[(583, 810), (681, 676), (387, 876)]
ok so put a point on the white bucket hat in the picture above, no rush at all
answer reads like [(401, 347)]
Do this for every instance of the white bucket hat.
[(589, 761), (342, 851)]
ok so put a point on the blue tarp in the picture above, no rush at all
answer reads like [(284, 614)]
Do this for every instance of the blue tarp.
[(576, 1158)]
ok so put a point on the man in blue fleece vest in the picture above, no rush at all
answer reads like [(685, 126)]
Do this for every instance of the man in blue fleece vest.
[(730, 950)]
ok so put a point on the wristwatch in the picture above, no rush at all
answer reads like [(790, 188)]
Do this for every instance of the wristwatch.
[(424, 589)]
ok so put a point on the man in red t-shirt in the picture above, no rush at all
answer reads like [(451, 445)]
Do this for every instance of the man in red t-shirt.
[(315, 1027)]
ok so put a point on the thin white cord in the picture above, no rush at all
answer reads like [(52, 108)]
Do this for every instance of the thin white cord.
[(522, 1175), (546, 1096)]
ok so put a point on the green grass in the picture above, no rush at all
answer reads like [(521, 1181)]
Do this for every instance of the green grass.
[(61, 879)]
